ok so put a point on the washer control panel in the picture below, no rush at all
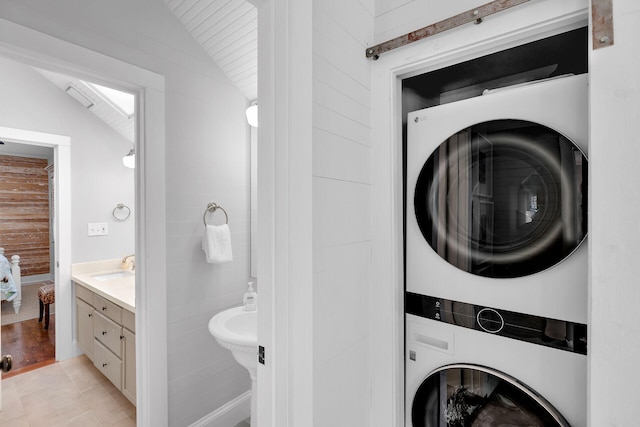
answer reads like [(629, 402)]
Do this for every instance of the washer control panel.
[(559, 334)]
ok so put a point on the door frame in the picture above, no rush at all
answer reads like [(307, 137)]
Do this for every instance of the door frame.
[(387, 297), (61, 227), (62, 224), (38, 49)]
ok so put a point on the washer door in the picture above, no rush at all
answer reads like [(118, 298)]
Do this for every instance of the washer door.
[(465, 395), (503, 199)]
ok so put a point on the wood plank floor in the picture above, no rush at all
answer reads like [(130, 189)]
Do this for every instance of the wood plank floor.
[(29, 345)]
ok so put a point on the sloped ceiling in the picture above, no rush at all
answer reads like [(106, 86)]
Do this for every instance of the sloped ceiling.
[(228, 31), (125, 126)]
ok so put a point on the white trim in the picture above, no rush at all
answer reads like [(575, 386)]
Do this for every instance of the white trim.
[(35, 48), (229, 414), (285, 198), (387, 317)]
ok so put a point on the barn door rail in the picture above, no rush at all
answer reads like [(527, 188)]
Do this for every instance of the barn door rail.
[(475, 15), (601, 12), (602, 22)]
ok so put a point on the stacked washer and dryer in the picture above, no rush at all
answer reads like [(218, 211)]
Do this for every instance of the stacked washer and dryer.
[(496, 258)]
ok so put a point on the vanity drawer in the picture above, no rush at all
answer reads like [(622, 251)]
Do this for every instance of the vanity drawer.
[(108, 333), (84, 294), (107, 363), (107, 308)]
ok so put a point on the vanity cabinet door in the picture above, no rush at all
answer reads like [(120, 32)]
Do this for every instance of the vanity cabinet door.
[(129, 365), (84, 315)]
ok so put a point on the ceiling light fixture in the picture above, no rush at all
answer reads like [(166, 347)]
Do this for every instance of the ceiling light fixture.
[(130, 159), (79, 96), (252, 114)]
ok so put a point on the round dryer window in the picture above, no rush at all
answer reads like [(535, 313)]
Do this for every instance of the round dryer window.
[(474, 396), (503, 199)]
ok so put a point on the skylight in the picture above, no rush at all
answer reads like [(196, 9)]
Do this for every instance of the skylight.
[(122, 101)]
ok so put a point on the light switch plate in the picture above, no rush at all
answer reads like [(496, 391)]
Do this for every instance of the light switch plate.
[(98, 229)]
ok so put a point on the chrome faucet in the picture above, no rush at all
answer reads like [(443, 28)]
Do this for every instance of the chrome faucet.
[(123, 265)]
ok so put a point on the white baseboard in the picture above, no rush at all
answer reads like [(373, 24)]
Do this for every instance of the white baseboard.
[(229, 414), (36, 278)]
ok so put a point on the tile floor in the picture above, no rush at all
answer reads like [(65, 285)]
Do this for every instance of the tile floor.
[(65, 394)]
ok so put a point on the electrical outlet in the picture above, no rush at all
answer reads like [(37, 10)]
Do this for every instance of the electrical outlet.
[(98, 229)]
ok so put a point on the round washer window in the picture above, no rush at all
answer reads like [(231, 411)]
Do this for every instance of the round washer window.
[(473, 396), (502, 199)]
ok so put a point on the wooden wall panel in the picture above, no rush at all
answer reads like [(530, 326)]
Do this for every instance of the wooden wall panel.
[(24, 212)]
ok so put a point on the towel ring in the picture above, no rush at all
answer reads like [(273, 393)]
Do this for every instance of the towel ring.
[(212, 207), (121, 215)]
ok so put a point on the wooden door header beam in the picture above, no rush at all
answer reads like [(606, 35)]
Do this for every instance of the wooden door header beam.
[(474, 15)]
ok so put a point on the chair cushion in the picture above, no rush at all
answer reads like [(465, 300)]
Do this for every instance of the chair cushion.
[(47, 293)]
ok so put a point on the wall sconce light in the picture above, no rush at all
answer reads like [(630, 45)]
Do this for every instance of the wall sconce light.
[(130, 159), (252, 114)]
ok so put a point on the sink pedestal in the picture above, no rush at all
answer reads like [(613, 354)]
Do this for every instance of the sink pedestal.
[(236, 330), (246, 356)]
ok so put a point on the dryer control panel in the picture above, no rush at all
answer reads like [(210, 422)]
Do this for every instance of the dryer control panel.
[(559, 334)]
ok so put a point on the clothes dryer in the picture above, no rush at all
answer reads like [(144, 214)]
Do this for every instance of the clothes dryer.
[(497, 199)]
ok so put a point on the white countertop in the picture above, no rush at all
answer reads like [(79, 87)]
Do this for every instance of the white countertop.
[(120, 291)]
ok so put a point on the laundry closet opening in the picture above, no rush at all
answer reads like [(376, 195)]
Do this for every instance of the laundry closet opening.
[(495, 162)]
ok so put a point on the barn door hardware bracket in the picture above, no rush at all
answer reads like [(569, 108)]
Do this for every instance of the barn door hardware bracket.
[(475, 15), (602, 23)]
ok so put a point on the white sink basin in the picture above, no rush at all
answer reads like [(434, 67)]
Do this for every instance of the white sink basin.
[(237, 330), (115, 275)]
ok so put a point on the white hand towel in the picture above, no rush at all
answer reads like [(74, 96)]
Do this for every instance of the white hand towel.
[(216, 244)]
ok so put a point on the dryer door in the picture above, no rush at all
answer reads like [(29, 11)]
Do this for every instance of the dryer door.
[(465, 395), (504, 198)]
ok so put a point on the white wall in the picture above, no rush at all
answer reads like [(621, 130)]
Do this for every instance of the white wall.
[(207, 160), (342, 203), (614, 229), (315, 198), (100, 181)]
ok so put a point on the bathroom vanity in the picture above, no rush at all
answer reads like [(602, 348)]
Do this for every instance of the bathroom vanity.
[(105, 319)]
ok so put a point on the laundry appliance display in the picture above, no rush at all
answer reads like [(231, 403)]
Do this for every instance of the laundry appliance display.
[(496, 257)]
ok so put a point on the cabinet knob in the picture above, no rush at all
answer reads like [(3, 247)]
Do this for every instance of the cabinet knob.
[(90, 314), (121, 337), (104, 365), (104, 332), (5, 363), (104, 308)]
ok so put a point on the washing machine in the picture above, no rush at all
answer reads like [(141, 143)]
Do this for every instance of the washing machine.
[(496, 257)]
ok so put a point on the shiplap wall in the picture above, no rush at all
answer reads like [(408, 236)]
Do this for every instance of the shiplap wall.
[(614, 227), (341, 212), (24, 212)]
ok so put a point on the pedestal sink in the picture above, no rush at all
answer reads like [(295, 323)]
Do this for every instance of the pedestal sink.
[(237, 330)]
